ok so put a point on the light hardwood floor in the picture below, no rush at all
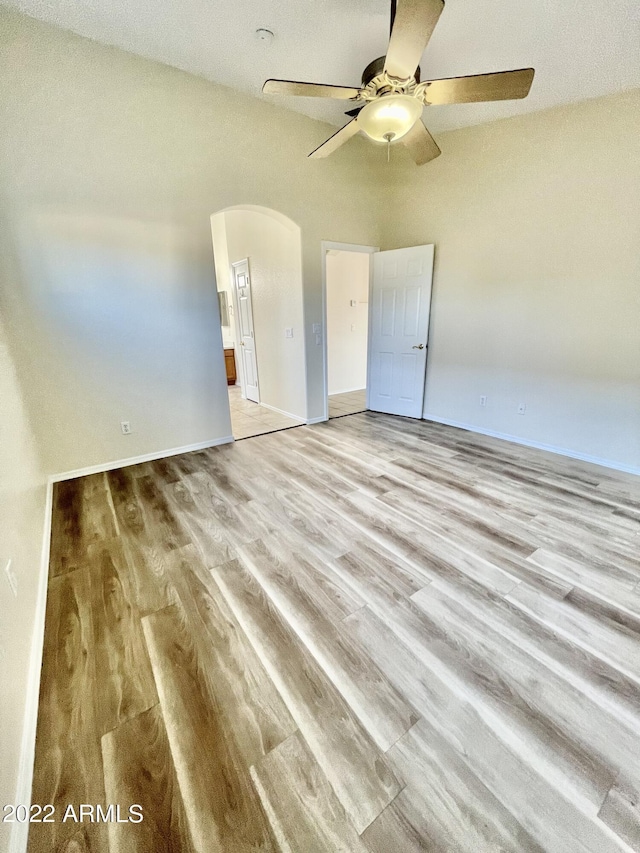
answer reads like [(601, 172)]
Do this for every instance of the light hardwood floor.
[(368, 635)]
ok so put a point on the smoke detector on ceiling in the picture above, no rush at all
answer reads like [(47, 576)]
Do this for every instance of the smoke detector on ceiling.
[(264, 35)]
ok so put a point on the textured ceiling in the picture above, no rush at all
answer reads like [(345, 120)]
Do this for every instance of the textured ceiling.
[(579, 48)]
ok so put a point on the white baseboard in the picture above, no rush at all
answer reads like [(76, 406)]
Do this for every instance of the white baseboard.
[(317, 420), (346, 391), (136, 460), (282, 412), (20, 831), (538, 445)]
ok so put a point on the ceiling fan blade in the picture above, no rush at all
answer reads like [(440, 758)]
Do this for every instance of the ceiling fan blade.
[(339, 138), (413, 24), (422, 146), (501, 86), (353, 113), (309, 90)]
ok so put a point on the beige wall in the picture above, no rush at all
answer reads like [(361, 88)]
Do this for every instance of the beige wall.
[(536, 222), (347, 325), (22, 512), (272, 245), (108, 179)]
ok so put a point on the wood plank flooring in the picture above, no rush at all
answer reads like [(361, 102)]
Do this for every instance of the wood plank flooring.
[(365, 636)]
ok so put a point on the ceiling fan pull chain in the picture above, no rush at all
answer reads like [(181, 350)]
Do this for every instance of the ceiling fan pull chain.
[(389, 137)]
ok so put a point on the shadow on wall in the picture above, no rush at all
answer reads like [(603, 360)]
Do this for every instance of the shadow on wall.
[(272, 244), (116, 317)]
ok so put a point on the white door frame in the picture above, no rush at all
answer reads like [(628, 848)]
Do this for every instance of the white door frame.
[(236, 331), (325, 246), (236, 320)]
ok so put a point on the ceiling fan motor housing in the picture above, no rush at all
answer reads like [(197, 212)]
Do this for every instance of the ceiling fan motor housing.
[(375, 68)]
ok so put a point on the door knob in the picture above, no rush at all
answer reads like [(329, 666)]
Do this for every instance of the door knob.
[(419, 346)]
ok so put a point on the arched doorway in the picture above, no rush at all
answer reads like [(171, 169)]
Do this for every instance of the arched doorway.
[(258, 264)]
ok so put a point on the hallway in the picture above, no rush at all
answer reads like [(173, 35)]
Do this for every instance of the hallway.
[(248, 418), (349, 403)]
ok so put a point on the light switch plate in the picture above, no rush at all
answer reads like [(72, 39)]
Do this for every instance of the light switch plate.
[(317, 328), (288, 333)]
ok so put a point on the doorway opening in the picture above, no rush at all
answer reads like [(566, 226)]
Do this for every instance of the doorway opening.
[(258, 264), (347, 274), (398, 312)]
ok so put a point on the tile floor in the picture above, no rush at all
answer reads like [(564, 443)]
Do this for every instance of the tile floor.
[(347, 404), (249, 418)]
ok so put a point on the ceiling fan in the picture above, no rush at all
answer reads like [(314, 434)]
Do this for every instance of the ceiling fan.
[(393, 94)]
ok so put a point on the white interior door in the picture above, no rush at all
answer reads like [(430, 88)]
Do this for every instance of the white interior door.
[(401, 300), (246, 337)]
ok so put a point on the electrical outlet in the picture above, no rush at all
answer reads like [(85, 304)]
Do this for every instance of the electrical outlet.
[(11, 577), (318, 340), (125, 426), (522, 408), (483, 400)]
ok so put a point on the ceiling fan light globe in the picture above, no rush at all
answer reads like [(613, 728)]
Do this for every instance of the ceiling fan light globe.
[(389, 114)]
